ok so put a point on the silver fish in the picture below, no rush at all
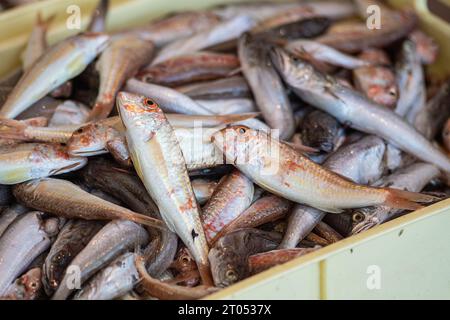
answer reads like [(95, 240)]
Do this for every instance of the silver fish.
[(24, 240), (32, 160), (74, 236), (9, 215), (119, 277), (410, 80), (159, 162), (362, 162), (308, 49), (351, 107), (224, 31), (112, 240), (266, 85), (62, 62), (411, 178)]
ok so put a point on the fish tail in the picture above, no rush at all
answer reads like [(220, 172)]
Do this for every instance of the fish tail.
[(205, 274), (13, 129), (101, 110), (44, 23), (147, 221), (407, 200)]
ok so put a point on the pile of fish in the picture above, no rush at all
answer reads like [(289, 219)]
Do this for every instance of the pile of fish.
[(174, 159)]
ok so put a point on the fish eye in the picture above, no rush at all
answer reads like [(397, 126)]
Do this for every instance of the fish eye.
[(149, 103), (358, 217), (242, 130), (80, 130), (231, 275)]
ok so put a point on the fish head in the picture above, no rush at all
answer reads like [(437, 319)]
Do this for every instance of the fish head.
[(93, 41), (139, 113), (89, 140), (227, 266), (293, 69)]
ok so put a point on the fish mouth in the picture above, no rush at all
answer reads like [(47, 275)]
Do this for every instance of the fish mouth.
[(87, 153), (71, 167)]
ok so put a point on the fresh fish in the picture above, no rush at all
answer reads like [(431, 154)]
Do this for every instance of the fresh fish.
[(159, 162), (69, 113), (37, 43), (24, 240), (228, 106), (185, 69), (26, 287), (203, 189), (282, 171), (104, 175), (120, 61), (113, 281), (176, 27), (412, 178), (266, 260), (410, 79), (361, 161), (426, 47), (127, 187), (302, 29), (165, 291), (321, 131), (24, 162), (161, 252), (9, 215), (73, 237), (62, 62), (222, 32), (308, 49), (328, 233), (112, 240), (272, 14), (65, 199), (169, 99), (266, 85), (263, 210), (350, 107), (378, 81), (300, 223), (430, 119), (355, 36), (232, 196), (229, 256), (227, 88), (98, 18)]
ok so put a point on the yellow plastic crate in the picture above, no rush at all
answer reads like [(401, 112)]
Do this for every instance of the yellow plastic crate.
[(406, 258)]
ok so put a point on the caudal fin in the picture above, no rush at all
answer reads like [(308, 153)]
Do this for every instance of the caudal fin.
[(146, 220), (13, 129), (407, 200)]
